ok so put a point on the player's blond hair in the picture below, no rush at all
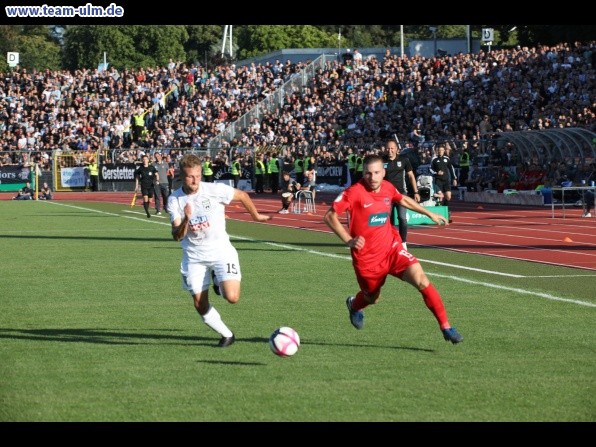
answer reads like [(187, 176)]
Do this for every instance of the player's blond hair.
[(190, 161)]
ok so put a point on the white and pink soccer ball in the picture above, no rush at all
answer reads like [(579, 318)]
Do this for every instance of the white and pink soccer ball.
[(284, 341)]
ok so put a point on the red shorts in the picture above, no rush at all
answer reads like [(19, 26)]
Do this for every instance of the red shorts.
[(371, 277)]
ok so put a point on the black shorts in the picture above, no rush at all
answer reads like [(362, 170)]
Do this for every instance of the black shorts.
[(147, 190), (442, 185)]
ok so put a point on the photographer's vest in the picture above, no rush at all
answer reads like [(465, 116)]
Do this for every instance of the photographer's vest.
[(93, 169), (306, 164), (259, 168), (464, 160), (298, 164), (273, 169), (352, 162), (207, 168), (359, 164), (139, 121), (235, 168)]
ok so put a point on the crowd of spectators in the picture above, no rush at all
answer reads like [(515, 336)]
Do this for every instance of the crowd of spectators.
[(181, 106), (349, 105)]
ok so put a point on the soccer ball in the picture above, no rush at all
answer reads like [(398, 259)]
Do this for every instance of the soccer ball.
[(284, 341)]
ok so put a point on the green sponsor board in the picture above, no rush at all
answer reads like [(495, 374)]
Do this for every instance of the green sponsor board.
[(415, 218), (13, 178), (11, 187)]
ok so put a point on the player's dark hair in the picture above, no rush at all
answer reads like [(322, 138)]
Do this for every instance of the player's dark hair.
[(372, 158)]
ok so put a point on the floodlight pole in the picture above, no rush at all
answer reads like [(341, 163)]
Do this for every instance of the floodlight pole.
[(339, 45), (223, 43), (401, 39), (231, 51)]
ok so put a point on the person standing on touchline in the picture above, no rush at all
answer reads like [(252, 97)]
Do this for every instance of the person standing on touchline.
[(162, 190), (399, 172), (148, 176)]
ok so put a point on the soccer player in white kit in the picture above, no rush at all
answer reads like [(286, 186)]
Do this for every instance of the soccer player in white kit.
[(197, 215)]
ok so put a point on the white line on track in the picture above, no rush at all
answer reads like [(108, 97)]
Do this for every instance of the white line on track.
[(348, 258), (521, 236), (548, 296), (500, 245), (490, 272), (451, 277)]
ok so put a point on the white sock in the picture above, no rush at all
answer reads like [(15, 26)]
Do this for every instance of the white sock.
[(214, 321)]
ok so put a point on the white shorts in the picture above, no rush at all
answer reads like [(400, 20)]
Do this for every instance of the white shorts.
[(196, 276)]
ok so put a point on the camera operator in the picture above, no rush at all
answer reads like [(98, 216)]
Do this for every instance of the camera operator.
[(288, 187), (25, 194)]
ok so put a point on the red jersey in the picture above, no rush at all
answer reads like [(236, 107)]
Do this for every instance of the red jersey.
[(370, 217)]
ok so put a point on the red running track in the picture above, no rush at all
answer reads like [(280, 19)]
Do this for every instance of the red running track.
[(514, 232)]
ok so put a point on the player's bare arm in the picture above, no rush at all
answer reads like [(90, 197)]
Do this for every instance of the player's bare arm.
[(179, 228), (180, 225), (246, 201), (415, 206), (414, 185), (332, 221)]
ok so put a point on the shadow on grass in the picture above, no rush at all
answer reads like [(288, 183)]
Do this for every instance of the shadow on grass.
[(349, 345), (86, 238), (111, 337), (219, 362), (368, 346), (105, 336)]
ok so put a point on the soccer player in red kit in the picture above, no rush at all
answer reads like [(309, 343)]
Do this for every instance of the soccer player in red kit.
[(376, 247)]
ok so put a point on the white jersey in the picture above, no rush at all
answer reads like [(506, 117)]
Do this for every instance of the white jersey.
[(207, 239)]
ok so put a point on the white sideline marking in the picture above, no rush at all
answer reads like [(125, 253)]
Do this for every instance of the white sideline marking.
[(511, 275), (563, 276), (349, 258), (454, 278), (144, 215), (548, 296), (143, 219)]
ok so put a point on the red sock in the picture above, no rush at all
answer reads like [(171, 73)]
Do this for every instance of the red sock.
[(433, 301), (359, 303)]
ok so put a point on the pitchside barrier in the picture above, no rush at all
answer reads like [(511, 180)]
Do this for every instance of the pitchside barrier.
[(67, 170), (529, 197), (415, 218)]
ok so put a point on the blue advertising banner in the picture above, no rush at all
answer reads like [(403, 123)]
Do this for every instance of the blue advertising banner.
[(72, 177)]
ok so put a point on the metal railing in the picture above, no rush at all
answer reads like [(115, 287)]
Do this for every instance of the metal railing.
[(272, 102)]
